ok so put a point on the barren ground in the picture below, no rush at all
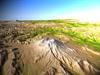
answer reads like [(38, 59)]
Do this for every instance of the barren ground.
[(24, 52)]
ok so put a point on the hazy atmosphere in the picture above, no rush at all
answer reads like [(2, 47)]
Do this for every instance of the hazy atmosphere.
[(50, 9)]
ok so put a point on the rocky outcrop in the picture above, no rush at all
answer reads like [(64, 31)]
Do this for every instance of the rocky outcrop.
[(10, 60)]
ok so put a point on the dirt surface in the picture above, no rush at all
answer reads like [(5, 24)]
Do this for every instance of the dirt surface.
[(43, 56)]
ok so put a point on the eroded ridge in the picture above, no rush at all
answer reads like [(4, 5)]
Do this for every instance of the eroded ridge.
[(63, 57), (47, 56)]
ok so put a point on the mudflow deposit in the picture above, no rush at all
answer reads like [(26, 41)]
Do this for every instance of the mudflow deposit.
[(23, 54)]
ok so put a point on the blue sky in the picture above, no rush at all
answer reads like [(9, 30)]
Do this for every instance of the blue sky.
[(49, 9)]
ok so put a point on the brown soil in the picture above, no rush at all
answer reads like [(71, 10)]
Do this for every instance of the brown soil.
[(47, 55)]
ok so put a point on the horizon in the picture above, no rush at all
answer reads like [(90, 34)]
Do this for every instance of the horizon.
[(84, 10)]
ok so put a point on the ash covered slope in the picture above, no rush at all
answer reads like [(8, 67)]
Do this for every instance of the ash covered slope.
[(46, 56), (52, 57)]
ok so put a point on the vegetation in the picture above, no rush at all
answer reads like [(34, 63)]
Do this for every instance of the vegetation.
[(81, 33)]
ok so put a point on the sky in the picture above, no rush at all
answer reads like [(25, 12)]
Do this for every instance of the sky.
[(50, 9)]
